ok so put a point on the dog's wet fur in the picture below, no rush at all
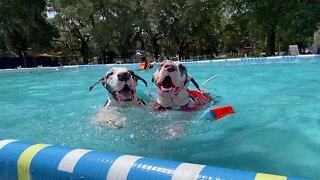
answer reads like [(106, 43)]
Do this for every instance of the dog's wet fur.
[(121, 84), (172, 80)]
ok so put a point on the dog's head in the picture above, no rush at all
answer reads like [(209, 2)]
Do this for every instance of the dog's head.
[(172, 80), (121, 85)]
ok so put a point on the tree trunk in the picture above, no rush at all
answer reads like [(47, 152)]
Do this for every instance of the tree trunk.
[(85, 57), (103, 56), (180, 53), (183, 46), (84, 52), (155, 44), (156, 53), (271, 43), (180, 50), (22, 55), (143, 46), (110, 58)]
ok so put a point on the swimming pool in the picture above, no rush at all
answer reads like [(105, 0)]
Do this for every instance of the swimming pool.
[(275, 129)]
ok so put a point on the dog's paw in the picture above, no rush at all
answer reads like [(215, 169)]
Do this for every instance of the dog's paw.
[(110, 118), (115, 125)]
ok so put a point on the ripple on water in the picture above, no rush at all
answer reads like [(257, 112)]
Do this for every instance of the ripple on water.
[(275, 128)]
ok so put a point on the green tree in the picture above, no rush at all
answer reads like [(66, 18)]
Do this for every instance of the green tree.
[(103, 30), (184, 22), (116, 28), (235, 26), (23, 25), (149, 16), (124, 27), (210, 30), (288, 21), (75, 20)]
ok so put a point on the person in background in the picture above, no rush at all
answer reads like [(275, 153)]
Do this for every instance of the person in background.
[(145, 64)]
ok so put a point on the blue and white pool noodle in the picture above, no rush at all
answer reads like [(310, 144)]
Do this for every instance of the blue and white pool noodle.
[(21, 160)]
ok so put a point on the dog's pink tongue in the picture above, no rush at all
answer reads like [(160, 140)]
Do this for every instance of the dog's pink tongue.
[(126, 94), (165, 92)]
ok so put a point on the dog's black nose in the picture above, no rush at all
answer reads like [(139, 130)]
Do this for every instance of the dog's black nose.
[(170, 68), (125, 76)]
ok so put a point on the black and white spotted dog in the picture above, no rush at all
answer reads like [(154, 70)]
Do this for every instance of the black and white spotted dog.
[(121, 85)]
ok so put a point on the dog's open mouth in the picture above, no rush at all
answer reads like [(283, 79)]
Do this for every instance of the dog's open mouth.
[(166, 86), (124, 95)]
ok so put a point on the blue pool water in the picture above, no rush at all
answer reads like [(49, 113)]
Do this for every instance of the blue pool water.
[(276, 128)]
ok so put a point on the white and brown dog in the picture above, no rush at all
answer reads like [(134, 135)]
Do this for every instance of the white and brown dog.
[(121, 84), (172, 80)]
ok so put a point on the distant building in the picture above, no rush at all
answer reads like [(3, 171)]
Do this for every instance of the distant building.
[(246, 48)]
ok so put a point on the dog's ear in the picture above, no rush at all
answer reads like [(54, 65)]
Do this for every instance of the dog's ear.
[(143, 80), (102, 80), (195, 84), (183, 71), (189, 78), (152, 79), (136, 77)]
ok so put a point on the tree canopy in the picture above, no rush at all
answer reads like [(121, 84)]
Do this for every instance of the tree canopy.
[(118, 28), (23, 25)]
